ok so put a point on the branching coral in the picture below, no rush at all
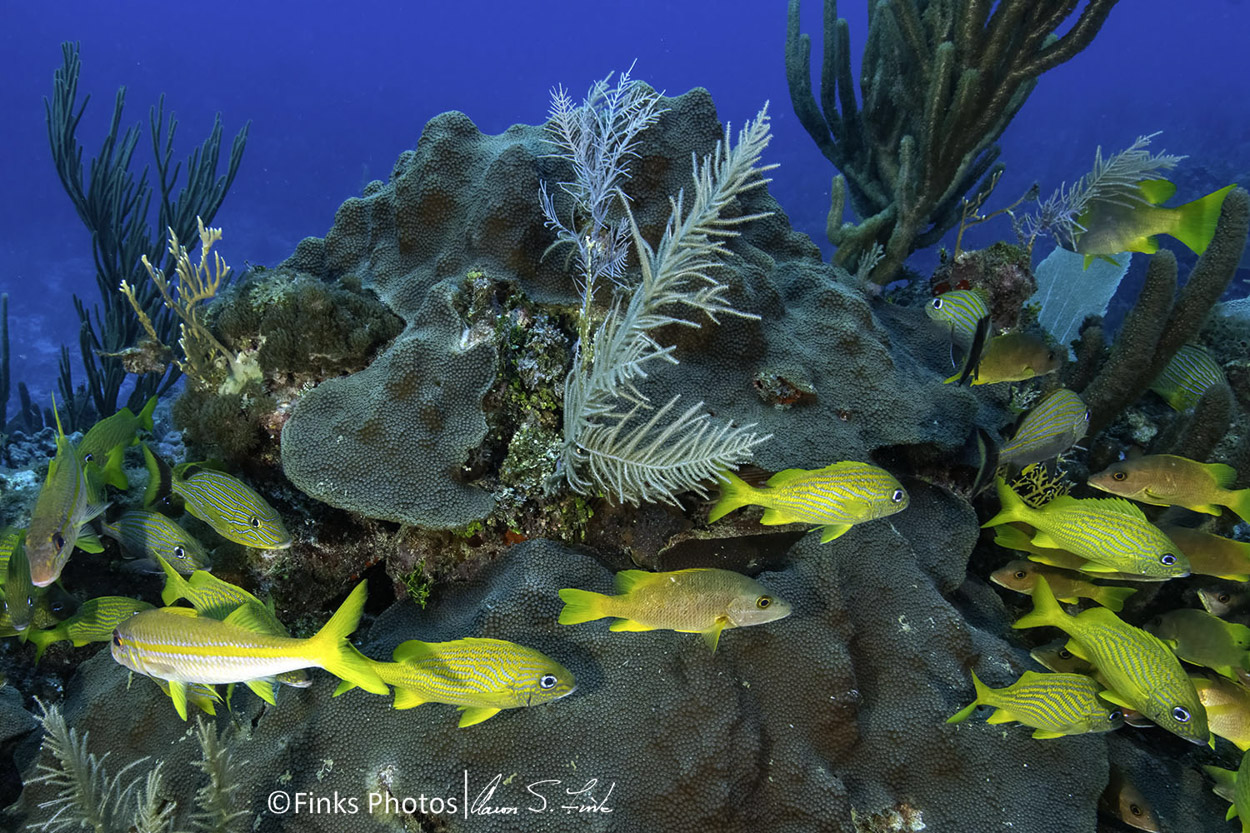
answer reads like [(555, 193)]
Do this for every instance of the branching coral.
[(609, 441), (197, 283), (940, 81)]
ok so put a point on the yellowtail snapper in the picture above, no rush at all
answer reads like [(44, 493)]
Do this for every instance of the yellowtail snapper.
[(834, 498), (700, 600), (183, 648), (481, 676), (1138, 670)]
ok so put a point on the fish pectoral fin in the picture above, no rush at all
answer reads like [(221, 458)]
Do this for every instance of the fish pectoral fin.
[(343, 687), (263, 688), (628, 625), (712, 635), (1076, 650), (1207, 509), (178, 693), (1232, 813), (1043, 539), (407, 698), (1046, 734), (89, 542), (830, 531), (476, 714)]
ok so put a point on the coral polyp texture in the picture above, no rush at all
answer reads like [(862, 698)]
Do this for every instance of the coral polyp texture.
[(395, 440)]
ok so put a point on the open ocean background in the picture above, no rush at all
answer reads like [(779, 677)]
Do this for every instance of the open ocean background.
[(336, 91)]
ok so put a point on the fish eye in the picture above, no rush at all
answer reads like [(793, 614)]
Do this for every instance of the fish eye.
[(255, 522), (58, 540), (1050, 354), (179, 552), (1064, 653), (898, 496), (1168, 559), (1223, 598), (1180, 714), (1086, 417), (1020, 574), (937, 303), (763, 602), (547, 681), (1118, 475), (88, 457), (1115, 715), (1134, 809), (117, 639)]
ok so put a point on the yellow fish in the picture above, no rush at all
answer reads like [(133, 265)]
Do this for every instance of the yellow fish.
[(1228, 709), (1111, 534), (700, 600), (1054, 705), (834, 498), (177, 645), (1015, 357), (1199, 638), (1130, 225), (1140, 672), (1211, 555), (1067, 586), (1187, 377), (1168, 480)]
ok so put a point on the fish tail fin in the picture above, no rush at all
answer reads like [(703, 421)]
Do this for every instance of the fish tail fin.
[(331, 650), (1113, 598), (1239, 502), (176, 587), (966, 712), (1013, 506), (160, 478), (582, 606), (1046, 610), (734, 494), (145, 416), (1195, 221)]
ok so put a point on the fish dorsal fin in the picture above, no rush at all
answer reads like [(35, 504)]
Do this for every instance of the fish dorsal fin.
[(251, 617), (180, 611), (1156, 191), (414, 650), (629, 580), (785, 476), (1115, 505)]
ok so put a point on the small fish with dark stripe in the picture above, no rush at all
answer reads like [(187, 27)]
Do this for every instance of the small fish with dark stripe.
[(1139, 671), (1188, 376), (1110, 533), (232, 508), (145, 534), (1054, 705), (1055, 425), (834, 498), (481, 676), (177, 645)]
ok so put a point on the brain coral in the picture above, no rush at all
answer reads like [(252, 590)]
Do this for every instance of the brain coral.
[(392, 441)]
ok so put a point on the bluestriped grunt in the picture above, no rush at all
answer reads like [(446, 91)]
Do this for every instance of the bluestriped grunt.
[(1055, 425), (145, 534), (834, 498), (232, 508), (179, 646), (1110, 533), (1187, 377), (700, 600), (1054, 705), (961, 310), (1138, 670), (481, 676)]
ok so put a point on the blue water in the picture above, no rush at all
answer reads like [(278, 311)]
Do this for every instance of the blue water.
[(335, 91)]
